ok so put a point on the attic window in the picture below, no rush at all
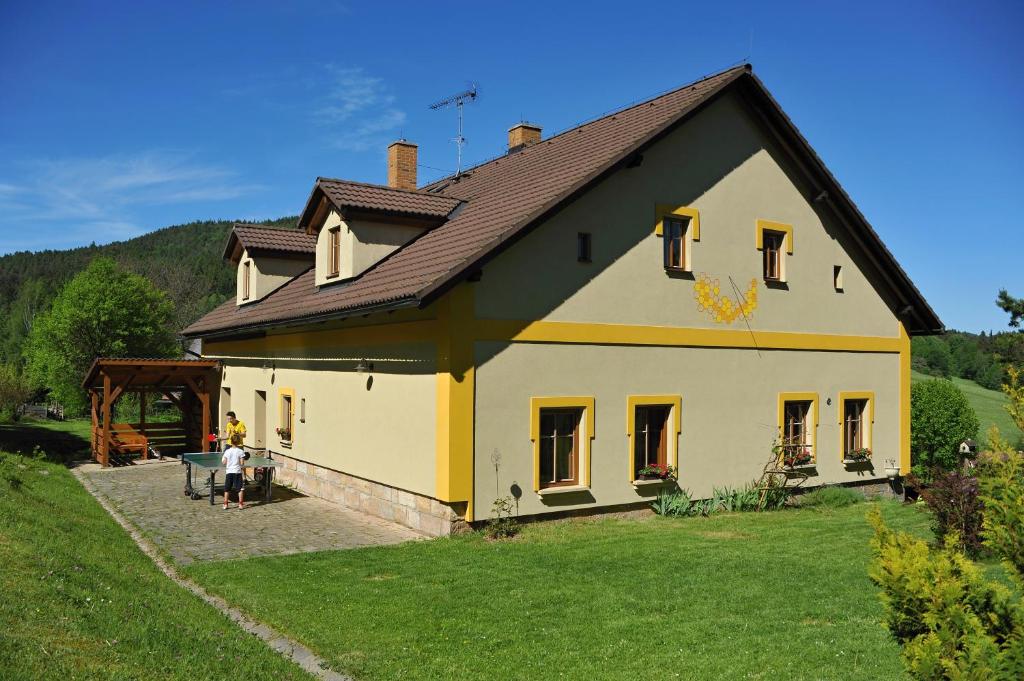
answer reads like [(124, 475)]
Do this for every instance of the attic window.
[(837, 277), (334, 249), (583, 247), (775, 241), (246, 276)]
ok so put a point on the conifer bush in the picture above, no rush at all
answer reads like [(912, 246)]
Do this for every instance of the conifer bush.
[(952, 622)]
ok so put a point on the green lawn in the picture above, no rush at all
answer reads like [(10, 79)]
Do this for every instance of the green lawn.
[(78, 600), (60, 441), (762, 596), (988, 404)]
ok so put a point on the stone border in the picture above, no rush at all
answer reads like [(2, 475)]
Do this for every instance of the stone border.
[(416, 511), (287, 647)]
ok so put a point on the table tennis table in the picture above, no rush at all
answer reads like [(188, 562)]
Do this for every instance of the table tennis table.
[(211, 462)]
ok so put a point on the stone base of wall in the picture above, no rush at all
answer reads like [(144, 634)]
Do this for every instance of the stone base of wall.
[(872, 489), (424, 514)]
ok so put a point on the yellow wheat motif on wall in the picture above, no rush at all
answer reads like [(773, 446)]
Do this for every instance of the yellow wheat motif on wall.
[(723, 309)]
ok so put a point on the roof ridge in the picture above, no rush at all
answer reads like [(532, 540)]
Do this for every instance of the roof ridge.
[(416, 192), (747, 66), (256, 225)]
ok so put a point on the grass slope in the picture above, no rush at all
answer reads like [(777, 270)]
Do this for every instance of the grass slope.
[(78, 600), (988, 404), (760, 596)]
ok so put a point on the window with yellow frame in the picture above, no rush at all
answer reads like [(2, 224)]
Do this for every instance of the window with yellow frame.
[(286, 416), (652, 429), (856, 421), (561, 429), (678, 227), (798, 429), (775, 241)]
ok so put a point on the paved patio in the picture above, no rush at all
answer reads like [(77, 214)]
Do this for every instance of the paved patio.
[(151, 496)]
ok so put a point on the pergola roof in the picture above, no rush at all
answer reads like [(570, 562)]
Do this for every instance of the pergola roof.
[(145, 372)]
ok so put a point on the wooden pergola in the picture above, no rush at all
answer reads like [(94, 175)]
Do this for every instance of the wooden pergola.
[(186, 383)]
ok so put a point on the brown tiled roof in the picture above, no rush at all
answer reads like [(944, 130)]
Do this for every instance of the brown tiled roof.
[(503, 198), (257, 239), (346, 194)]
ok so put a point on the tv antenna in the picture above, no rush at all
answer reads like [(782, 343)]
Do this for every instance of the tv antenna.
[(458, 101)]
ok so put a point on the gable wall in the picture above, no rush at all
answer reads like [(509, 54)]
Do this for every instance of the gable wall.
[(721, 164), (267, 274), (363, 243)]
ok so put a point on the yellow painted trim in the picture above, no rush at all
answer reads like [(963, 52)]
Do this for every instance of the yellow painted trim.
[(290, 392), (634, 401), (584, 403), (625, 334), (904, 343), (763, 225), (801, 397), (664, 210), (456, 393), (869, 397)]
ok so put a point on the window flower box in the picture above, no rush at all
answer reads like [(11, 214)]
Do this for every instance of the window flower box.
[(799, 457), (857, 455), (657, 471), (284, 434)]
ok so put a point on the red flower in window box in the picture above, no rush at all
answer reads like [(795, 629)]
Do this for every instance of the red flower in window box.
[(862, 454), (657, 471), (797, 457)]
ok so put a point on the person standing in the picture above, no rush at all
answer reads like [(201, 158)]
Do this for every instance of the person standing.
[(232, 460), (235, 427)]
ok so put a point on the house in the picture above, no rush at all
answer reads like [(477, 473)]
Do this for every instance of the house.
[(680, 282)]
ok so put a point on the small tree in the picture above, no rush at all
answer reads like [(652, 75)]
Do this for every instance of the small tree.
[(1015, 396), (940, 418), (103, 311), (14, 391)]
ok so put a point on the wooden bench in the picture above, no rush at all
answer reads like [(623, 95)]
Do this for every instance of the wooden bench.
[(125, 439)]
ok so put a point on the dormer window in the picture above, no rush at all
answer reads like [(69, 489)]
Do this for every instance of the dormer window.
[(334, 250), (246, 279)]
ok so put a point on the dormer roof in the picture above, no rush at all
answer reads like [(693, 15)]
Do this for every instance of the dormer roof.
[(357, 197), (257, 240)]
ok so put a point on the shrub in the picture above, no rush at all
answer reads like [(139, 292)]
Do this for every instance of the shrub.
[(940, 418), (951, 622), (830, 497), (503, 524), (956, 509), (1001, 479)]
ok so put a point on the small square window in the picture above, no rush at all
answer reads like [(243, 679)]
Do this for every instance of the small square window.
[(583, 247)]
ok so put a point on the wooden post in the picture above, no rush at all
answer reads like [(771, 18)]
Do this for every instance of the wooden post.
[(95, 399), (142, 422), (105, 442), (204, 400)]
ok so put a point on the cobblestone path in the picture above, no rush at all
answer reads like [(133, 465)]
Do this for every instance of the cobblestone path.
[(151, 496)]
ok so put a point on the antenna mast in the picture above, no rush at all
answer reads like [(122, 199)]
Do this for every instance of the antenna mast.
[(458, 100)]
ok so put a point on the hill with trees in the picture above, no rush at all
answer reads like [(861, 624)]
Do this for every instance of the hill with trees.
[(184, 261)]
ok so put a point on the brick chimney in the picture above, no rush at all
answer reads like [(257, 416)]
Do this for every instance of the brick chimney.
[(523, 135), (402, 165)]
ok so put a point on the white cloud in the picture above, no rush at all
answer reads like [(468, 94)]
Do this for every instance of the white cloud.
[(99, 199), (359, 109)]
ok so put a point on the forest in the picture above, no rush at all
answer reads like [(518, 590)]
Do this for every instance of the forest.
[(184, 261)]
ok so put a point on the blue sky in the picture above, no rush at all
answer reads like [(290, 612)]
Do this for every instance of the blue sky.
[(120, 118)]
